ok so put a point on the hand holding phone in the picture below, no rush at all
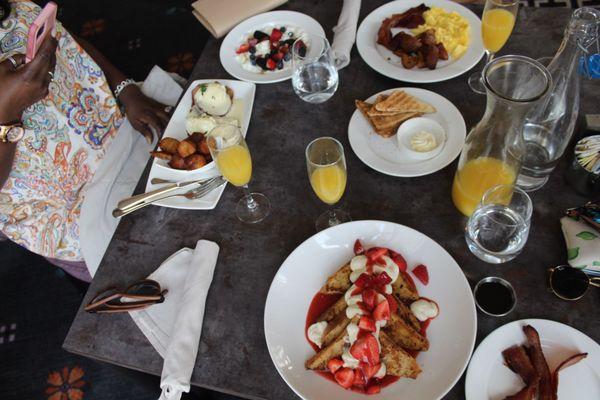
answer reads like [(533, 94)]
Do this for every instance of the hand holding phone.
[(43, 26)]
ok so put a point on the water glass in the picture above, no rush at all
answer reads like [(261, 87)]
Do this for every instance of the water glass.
[(314, 76), (498, 228)]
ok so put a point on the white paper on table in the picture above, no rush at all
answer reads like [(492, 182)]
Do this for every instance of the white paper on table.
[(344, 33), (118, 175)]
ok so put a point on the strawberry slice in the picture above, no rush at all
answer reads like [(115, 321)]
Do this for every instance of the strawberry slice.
[(375, 253), (363, 307), (382, 311), (367, 324), (399, 260), (344, 377), (364, 281), (359, 378), (358, 247), (275, 35), (369, 297), (357, 290), (366, 349), (277, 56), (369, 370), (271, 64), (373, 389), (420, 271), (334, 364), (393, 303), (243, 48)]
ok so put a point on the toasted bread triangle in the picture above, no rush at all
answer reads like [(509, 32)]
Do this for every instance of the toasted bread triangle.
[(400, 101)]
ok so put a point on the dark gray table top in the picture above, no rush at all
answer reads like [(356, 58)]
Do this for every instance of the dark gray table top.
[(233, 357)]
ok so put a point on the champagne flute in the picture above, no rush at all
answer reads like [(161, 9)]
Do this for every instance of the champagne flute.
[(497, 23), (327, 174), (230, 152)]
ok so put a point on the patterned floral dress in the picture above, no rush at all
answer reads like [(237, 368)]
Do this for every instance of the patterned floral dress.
[(66, 136)]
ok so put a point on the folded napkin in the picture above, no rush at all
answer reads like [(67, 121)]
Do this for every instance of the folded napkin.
[(344, 33), (583, 245), (219, 17), (174, 326)]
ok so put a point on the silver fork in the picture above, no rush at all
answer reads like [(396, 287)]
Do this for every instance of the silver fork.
[(191, 195)]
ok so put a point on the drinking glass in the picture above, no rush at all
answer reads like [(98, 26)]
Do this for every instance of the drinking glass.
[(327, 174), (314, 76), (498, 228), (497, 23), (230, 152)]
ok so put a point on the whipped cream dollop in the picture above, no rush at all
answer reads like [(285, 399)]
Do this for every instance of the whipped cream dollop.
[(424, 309), (316, 332)]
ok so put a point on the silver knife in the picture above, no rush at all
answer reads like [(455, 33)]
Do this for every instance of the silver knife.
[(154, 194)]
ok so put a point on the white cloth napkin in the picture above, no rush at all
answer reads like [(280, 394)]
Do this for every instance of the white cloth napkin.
[(344, 33), (583, 245), (118, 174), (174, 326)]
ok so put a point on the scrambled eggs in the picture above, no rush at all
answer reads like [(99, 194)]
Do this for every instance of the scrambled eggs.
[(450, 28)]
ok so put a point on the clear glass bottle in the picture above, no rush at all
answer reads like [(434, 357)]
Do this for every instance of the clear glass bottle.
[(494, 148), (550, 125)]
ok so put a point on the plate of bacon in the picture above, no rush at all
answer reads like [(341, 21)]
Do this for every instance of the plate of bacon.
[(370, 308), (534, 359), (420, 41)]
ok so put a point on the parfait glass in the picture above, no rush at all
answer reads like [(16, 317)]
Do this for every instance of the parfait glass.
[(326, 166), (232, 156), (497, 23)]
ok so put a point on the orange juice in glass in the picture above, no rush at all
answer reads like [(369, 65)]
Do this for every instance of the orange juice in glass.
[(232, 157)]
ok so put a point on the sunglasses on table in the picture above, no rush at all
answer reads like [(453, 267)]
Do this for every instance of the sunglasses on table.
[(570, 283), (138, 296)]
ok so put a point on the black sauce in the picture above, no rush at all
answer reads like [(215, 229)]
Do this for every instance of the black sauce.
[(494, 298)]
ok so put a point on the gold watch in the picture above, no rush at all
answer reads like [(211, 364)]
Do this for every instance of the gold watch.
[(11, 133)]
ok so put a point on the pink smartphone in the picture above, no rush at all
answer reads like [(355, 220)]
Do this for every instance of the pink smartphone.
[(42, 26)]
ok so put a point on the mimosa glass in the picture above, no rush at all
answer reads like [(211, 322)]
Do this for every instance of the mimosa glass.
[(326, 166), (232, 156), (497, 23)]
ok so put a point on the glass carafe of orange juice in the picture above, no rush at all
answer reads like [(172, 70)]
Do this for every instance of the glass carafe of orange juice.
[(494, 148)]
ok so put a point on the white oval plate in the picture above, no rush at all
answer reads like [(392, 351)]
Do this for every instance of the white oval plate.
[(451, 334), (376, 56), (489, 379), (386, 156), (244, 91), (236, 36)]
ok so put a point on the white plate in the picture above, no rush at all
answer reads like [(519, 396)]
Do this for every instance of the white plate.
[(451, 334), (236, 36), (489, 379), (386, 156), (376, 56), (244, 92)]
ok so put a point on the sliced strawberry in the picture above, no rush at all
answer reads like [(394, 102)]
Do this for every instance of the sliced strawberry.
[(382, 311), (271, 64), (381, 279), (357, 290), (362, 333), (363, 307), (275, 35), (420, 271), (369, 370), (367, 324), (393, 303), (399, 260), (375, 253), (243, 48), (369, 297), (344, 377), (359, 378), (334, 364), (277, 56), (366, 349), (363, 281), (373, 389), (358, 247)]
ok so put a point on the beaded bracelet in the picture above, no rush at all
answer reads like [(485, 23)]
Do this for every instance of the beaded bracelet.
[(121, 86)]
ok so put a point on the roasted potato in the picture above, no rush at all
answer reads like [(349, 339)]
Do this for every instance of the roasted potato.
[(186, 148), (196, 137), (203, 148), (177, 162), (195, 161), (163, 155), (169, 145)]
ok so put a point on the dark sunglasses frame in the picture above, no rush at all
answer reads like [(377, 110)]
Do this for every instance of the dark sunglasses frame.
[(110, 300), (593, 281)]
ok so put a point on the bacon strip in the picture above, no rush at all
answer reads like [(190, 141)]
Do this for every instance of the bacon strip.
[(518, 361), (411, 18), (572, 360), (536, 355)]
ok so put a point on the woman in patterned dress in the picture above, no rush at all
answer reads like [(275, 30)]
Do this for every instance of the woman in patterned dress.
[(64, 99)]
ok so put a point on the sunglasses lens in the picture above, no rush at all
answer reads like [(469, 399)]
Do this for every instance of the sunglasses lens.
[(568, 282)]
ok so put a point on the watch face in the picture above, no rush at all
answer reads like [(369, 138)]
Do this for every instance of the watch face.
[(15, 134)]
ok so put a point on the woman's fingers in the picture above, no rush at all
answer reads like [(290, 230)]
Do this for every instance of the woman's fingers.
[(163, 115), (19, 59), (45, 60), (144, 130), (150, 118)]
